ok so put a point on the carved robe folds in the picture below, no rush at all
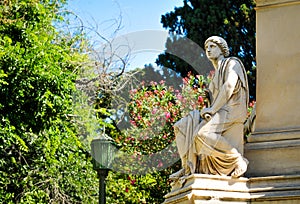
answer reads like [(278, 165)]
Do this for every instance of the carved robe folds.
[(215, 146)]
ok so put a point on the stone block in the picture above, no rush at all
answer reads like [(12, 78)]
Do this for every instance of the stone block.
[(271, 158), (202, 188)]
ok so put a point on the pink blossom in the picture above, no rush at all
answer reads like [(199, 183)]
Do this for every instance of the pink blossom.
[(162, 82), (153, 83), (133, 91), (168, 115), (139, 117), (252, 104), (179, 96), (133, 122), (160, 164), (154, 110)]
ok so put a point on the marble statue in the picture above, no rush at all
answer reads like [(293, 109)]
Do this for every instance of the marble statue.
[(211, 141)]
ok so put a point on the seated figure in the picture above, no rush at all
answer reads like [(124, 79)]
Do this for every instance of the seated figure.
[(212, 141)]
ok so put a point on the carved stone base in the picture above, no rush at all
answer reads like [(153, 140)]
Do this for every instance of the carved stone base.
[(273, 154), (201, 188), (275, 189)]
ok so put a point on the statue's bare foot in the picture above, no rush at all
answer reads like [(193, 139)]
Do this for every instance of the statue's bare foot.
[(241, 167), (177, 174)]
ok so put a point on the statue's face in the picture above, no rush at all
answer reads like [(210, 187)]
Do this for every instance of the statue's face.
[(212, 51)]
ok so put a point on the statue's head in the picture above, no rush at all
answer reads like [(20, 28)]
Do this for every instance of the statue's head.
[(220, 42)]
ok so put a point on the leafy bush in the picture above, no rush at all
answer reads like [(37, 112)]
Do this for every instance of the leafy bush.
[(41, 158), (148, 152)]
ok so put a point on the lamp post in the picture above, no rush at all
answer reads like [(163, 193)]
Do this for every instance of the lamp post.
[(103, 151)]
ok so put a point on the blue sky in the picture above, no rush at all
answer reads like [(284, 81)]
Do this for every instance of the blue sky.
[(137, 15)]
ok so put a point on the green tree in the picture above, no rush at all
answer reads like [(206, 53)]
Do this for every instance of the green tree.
[(196, 20), (41, 157)]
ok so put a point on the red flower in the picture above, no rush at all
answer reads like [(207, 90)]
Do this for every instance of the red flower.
[(132, 182), (200, 99), (185, 80)]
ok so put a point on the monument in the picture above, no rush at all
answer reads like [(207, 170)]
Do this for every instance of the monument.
[(273, 174), (214, 145)]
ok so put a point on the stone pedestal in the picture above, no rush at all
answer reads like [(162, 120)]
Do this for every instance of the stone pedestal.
[(201, 188), (274, 147)]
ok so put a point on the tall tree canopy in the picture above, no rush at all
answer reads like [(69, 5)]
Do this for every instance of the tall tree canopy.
[(196, 20), (41, 158)]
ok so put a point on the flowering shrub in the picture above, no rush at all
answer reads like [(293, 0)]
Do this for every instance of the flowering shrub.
[(251, 106), (153, 107), (149, 147), (194, 94)]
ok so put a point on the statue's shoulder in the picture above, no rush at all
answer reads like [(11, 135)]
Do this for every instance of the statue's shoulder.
[(234, 61)]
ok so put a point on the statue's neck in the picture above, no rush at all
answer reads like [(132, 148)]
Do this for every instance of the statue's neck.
[(217, 62)]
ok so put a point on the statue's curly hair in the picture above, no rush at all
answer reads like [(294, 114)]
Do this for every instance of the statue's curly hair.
[(220, 42)]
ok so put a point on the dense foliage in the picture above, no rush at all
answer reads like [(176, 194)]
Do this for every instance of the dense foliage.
[(197, 20), (148, 153), (41, 158)]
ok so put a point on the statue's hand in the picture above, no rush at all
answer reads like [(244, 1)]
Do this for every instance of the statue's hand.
[(206, 113), (207, 116)]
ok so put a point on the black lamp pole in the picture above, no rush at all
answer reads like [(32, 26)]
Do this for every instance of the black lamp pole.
[(102, 174), (103, 151)]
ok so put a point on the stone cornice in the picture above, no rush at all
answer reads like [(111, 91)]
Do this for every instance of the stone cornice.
[(261, 4)]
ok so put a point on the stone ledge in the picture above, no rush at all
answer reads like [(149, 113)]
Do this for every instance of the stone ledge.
[(213, 188), (201, 188), (273, 144), (274, 3), (275, 189), (276, 135)]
